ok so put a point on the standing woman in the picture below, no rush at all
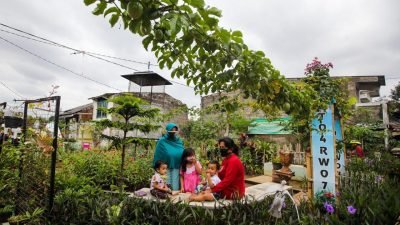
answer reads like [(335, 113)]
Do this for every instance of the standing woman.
[(170, 149)]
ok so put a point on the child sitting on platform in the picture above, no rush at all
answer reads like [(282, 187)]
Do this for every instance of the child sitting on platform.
[(158, 186), (212, 179)]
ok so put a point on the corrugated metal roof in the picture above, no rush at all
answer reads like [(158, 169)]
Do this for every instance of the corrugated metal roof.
[(265, 126)]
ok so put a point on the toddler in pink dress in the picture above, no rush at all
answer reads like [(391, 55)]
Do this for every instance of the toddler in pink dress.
[(190, 171)]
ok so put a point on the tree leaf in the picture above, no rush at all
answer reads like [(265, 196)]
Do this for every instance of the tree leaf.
[(197, 3), (111, 10), (161, 64), (89, 2), (147, 41), (172, 25), (126, 20), (114, 19), (101, 6), (237, 33), (225, 36), (187, 9), (169, 63), (212, 22), (214, 11)]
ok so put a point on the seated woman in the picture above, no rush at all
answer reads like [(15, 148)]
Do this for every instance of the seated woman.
[(231, 173)]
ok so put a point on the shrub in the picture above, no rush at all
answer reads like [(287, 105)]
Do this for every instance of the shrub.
[(101, 168), (9, 158)]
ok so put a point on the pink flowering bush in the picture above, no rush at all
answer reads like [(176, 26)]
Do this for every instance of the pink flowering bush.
[(317, 68)]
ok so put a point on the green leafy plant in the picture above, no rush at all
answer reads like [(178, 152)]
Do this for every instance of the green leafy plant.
[(9, 158), (29, 218), (276, 159), (101, 168), (131, 115)]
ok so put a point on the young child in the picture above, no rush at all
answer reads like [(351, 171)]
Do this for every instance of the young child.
[(212, 180), (158, 185), (190, 171)]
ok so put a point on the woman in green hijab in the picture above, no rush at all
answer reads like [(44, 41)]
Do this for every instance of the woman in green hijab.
[(169, 149)]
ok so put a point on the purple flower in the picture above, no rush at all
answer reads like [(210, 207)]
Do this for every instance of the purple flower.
[(378, 179), (337, 194), (368, 161), (351, 209), (329, 208), (283, 205)]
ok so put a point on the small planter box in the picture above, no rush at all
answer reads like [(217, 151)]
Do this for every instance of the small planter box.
[(276, 166)]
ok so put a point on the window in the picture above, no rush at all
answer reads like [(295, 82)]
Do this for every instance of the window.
[(101, 104)]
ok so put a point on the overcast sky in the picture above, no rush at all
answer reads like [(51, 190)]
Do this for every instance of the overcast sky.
[(360, 37)]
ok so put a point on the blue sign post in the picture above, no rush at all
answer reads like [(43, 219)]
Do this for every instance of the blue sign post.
[(323, 152), (340, 154)]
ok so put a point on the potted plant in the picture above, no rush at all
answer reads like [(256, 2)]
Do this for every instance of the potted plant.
[(286, 159), (276, 163)]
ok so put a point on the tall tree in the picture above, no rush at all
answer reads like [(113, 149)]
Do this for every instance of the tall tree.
[(186, 34), (129, 114)]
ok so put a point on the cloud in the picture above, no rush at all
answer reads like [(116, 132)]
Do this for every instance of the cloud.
[(359, 37)]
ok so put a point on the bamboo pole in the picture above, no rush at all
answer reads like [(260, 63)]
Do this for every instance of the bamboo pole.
[(309, 171)]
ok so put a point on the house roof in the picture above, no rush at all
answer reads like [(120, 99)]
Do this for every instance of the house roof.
[(148, 78), (268, 127), (143, 95), (72, 111), (106, 95), (360, 78)]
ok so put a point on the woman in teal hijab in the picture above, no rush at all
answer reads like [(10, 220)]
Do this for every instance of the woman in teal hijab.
[(170, 149)]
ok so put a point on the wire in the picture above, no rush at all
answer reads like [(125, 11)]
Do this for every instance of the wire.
[(33, 39), (123, 59), (14, 92), (47, 41), (76, 51), (59, 66), (79, 51)]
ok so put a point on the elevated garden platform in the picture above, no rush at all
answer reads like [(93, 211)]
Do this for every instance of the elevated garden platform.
[(253, 193)]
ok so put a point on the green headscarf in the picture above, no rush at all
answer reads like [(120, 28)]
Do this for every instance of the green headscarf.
[(169, 149)]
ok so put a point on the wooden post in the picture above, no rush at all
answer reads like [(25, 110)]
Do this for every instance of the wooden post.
[(309, 171)]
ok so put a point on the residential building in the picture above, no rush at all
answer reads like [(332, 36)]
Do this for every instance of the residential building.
[(77, 121)]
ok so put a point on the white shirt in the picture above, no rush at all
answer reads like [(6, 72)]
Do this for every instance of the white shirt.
[(215, 180), (157, 179)]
